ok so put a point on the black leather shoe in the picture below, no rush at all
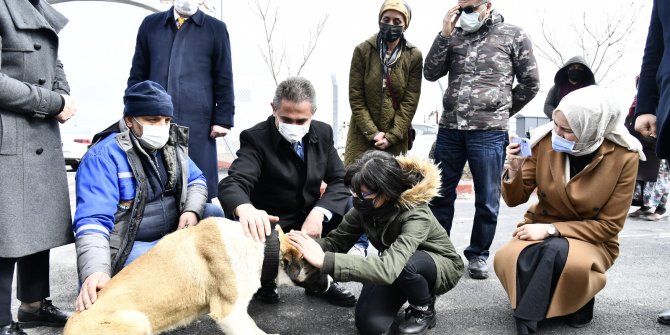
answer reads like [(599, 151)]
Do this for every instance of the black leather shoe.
[(12, 329), (664, 317), (336, 295), (477, 268), (583, 316), (416, 321), (267, 293), (47, 315)]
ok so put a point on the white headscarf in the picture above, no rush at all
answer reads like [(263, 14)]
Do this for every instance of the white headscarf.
[(593, 117)]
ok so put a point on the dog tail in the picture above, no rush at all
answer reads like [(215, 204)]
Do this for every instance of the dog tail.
[(119, 322)]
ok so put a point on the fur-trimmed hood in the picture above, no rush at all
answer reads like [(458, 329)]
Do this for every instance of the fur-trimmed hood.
[(426, 189)]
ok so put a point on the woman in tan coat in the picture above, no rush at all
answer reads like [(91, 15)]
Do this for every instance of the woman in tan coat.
[(384, 86), (583, 168)]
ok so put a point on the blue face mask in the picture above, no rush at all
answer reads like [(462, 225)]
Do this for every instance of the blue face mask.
[(559, 144)]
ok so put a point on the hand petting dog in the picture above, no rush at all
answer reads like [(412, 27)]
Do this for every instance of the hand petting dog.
[(311, 251), (187, 219), (255, 222), (88, 293)]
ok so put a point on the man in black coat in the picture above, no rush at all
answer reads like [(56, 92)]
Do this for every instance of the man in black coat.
[(276, 178), (653, 94)]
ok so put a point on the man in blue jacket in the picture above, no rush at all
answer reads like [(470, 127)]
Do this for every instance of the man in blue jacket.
[(188, 53), (653, 94), (135, 185)]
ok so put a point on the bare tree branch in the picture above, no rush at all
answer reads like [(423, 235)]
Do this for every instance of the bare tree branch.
[(313, 40), (602, 43), (553, 54), (269, 24), (288, 63), (274, 60)]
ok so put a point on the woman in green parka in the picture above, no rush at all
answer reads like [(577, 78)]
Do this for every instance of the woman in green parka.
[(417, 260), (384, 86)]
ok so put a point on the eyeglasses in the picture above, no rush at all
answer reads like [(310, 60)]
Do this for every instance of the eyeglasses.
[(468, 9), (363, 194)]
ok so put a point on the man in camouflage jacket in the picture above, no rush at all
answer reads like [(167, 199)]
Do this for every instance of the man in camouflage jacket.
[(482, 57)]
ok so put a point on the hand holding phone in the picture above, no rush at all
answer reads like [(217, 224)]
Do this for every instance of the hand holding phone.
[(449, 21), (524, 145)]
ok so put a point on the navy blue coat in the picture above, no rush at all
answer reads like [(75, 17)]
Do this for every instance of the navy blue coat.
[(194, 66), (653, 95)]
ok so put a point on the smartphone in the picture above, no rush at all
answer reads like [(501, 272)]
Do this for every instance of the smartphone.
[(524, 144)]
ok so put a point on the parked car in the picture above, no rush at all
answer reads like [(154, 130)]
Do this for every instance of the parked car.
[(75, 144), (426, 134)]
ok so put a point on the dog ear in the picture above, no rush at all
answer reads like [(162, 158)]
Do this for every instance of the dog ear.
[(284, 245), (279, 230)]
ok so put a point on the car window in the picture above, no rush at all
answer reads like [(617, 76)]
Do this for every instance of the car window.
[(424, 129), (430, 130)]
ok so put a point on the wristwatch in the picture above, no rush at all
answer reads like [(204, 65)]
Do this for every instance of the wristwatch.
[(551, 230)]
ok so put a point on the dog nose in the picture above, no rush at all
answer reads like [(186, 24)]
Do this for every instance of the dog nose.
[(294, 271)]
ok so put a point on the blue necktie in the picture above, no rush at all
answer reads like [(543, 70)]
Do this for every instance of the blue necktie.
[(297, 146)]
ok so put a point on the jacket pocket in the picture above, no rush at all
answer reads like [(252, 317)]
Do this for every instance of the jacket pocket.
[(8, 134), (14, 51)]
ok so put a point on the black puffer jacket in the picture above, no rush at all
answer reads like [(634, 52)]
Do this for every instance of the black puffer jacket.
[(553, 96)]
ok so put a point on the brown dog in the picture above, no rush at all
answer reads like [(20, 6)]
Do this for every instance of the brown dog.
[(210, 268)]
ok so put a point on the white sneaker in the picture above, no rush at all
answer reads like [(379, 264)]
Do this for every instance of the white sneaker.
[(358, 250), (639, 213), (654, 216)]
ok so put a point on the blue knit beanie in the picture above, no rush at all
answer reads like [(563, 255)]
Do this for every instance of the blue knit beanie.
[(147, 98)]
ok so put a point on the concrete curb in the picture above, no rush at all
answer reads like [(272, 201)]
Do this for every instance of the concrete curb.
[(465, 190)]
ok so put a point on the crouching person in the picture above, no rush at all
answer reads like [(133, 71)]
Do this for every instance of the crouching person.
[(583, 169), (135, 185), (417, 260)]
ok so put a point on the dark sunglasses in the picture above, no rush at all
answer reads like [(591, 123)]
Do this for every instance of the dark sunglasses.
[(468, 9)]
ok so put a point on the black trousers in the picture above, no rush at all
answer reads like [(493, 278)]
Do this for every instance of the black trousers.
[(539, 267), (378, 305), (32, 281)]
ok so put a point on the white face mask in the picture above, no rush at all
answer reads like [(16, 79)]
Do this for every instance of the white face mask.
[(154, 137), (186, 7), (293, 132), (470, 22)]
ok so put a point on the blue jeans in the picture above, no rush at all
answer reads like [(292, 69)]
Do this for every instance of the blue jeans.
[(141, 247), (484, 151)]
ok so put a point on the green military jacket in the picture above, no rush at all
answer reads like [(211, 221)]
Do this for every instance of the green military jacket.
[(414, 228), (371, 104)]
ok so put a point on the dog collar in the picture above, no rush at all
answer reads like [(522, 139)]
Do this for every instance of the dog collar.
[(271, 257)]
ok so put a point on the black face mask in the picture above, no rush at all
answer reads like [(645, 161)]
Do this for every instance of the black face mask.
[(367, 208), (576, 75), (390, 32), (364, 206)]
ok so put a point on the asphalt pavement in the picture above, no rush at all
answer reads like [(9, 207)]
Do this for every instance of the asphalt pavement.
[(637, 290)]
